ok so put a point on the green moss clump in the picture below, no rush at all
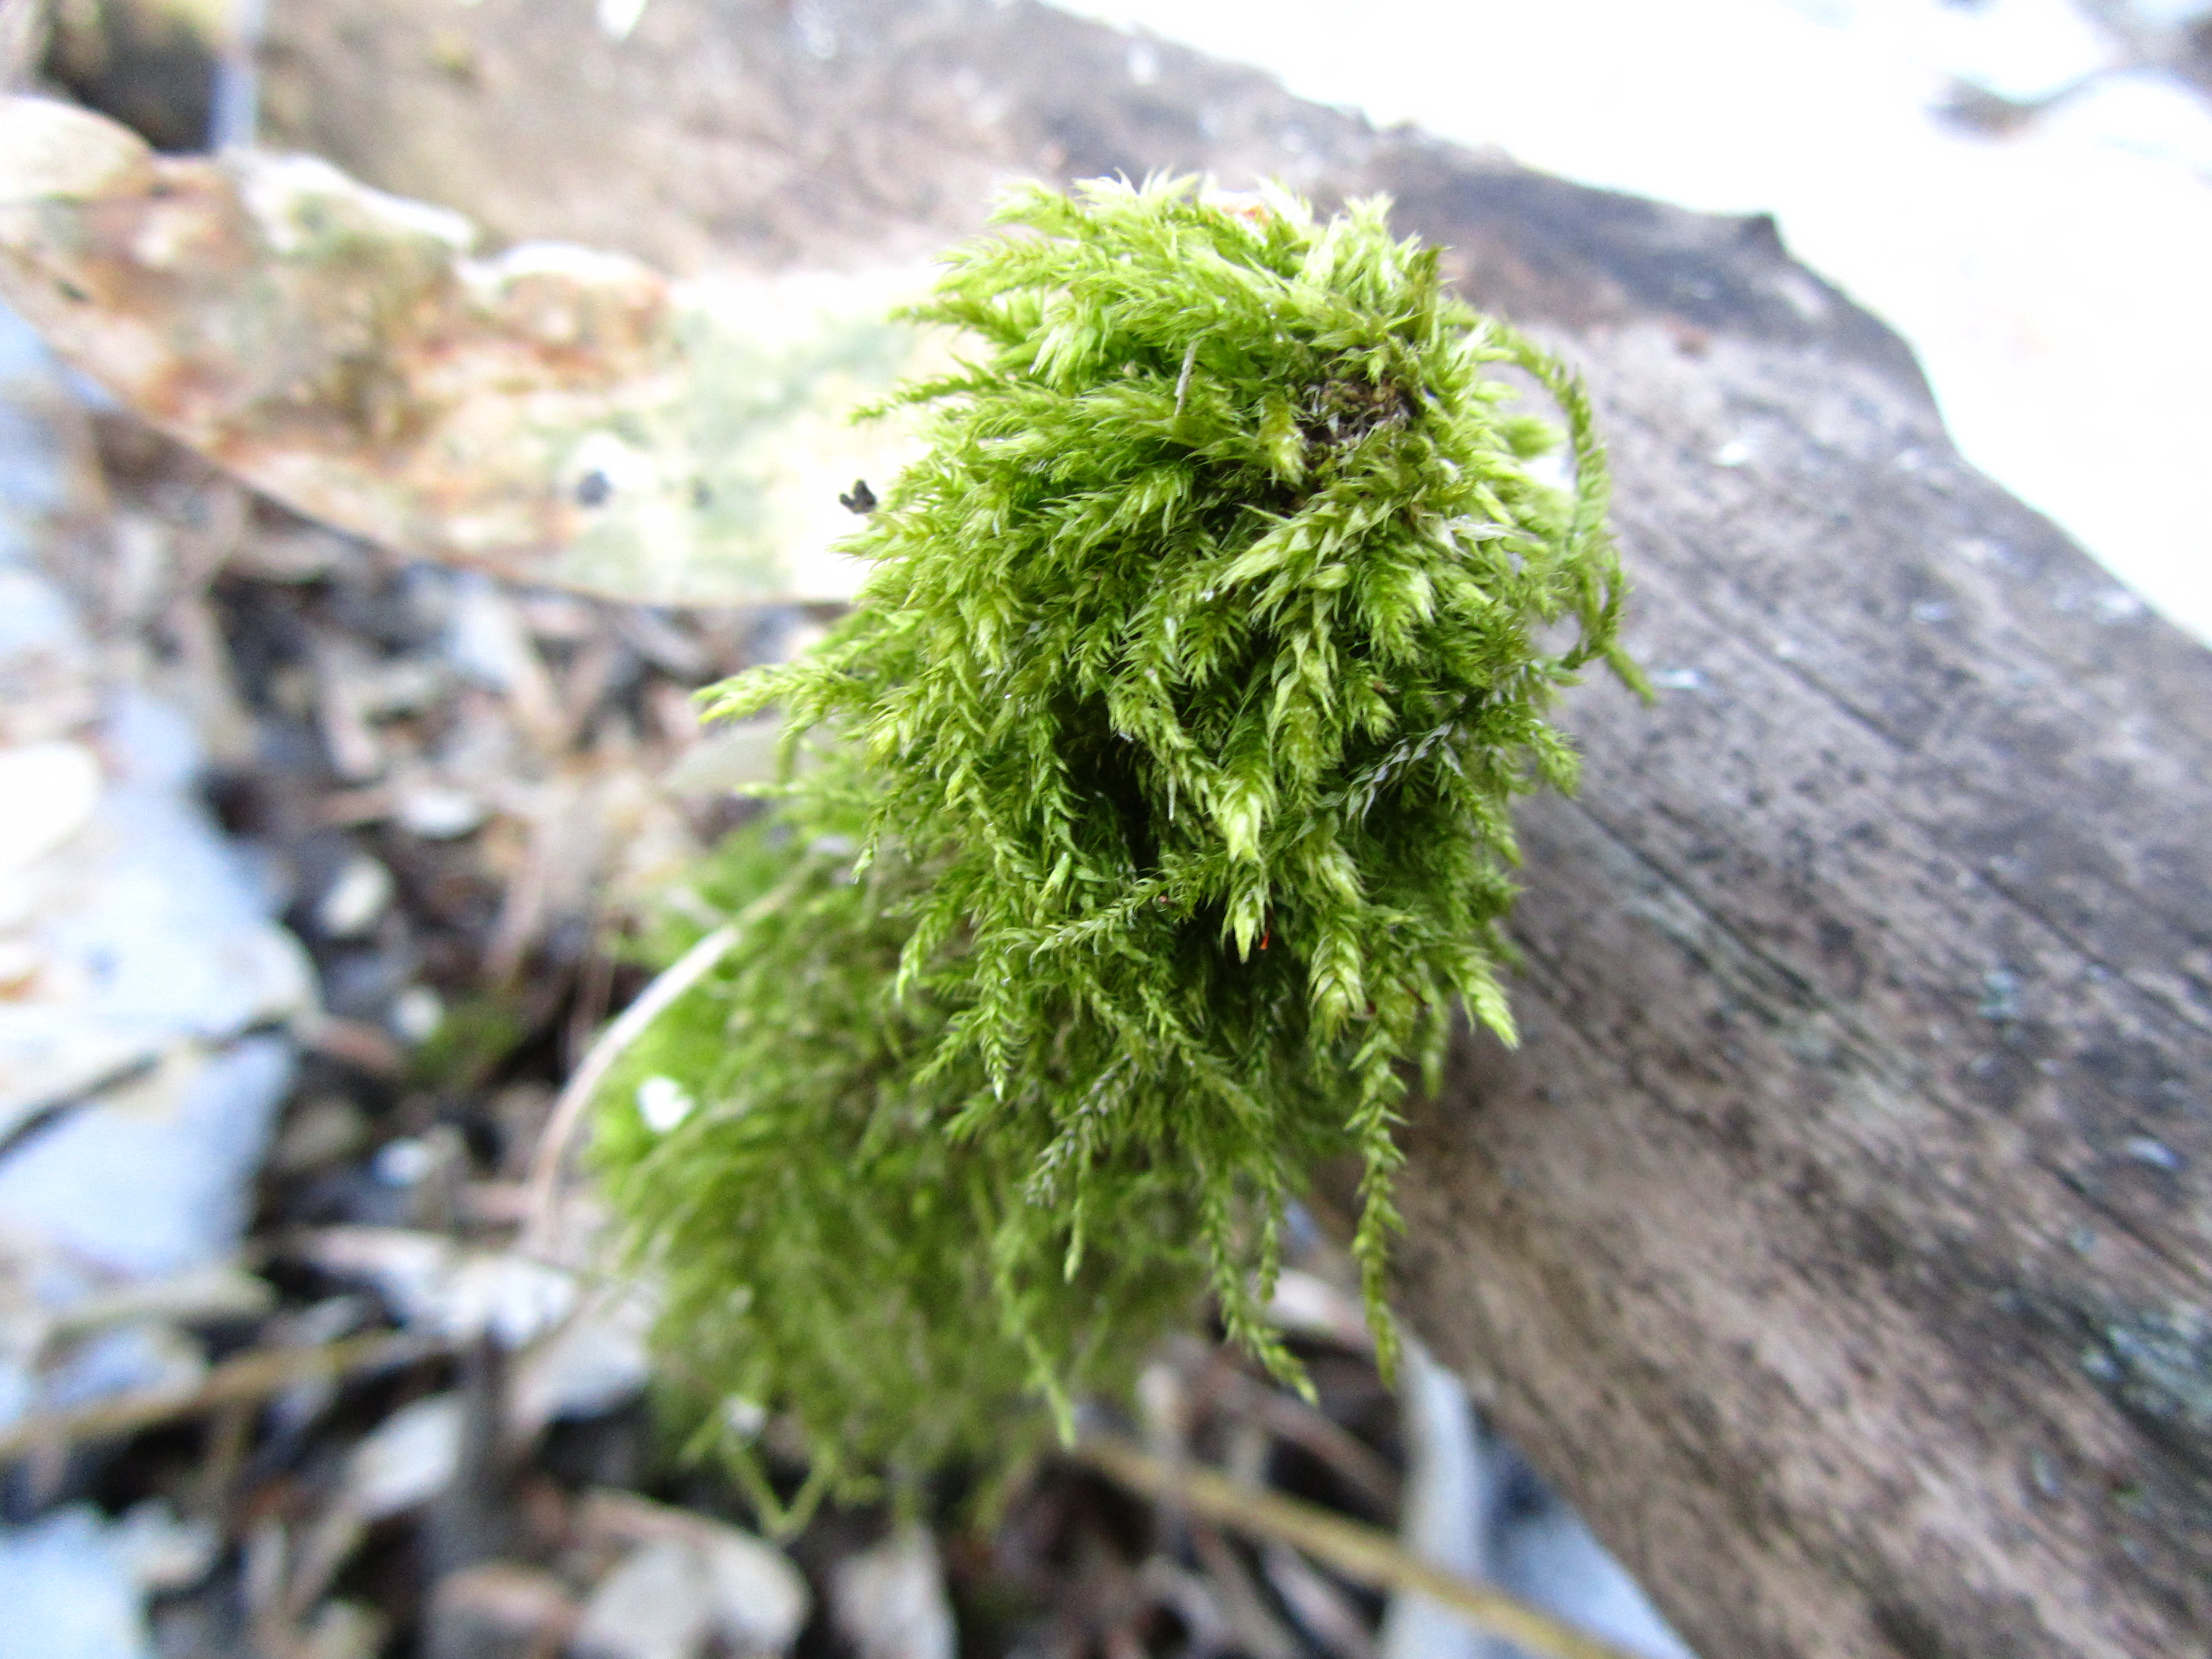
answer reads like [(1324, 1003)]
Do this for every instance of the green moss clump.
[(1165, 824)]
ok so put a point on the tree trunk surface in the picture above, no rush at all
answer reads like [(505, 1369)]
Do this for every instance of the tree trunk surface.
[(1837, 1239)]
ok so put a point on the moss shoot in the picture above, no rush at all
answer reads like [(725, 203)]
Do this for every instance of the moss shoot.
[(1143, 826)]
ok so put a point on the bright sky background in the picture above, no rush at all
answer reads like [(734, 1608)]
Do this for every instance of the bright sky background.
[(2057, 285)]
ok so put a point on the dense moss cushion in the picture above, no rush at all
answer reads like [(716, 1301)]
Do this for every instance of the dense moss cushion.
[(1145, 820)]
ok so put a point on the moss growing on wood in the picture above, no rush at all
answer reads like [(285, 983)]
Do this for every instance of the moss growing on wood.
[(1164, 825)]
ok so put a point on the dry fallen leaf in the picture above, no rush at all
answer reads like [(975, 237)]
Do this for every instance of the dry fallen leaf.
[(550, 413)]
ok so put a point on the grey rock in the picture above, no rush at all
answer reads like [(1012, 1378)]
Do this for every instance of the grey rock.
[(758, 1601), (407, 1460), (152, 1178), (434, 1283), (141, 1062), (889, 1601), (148, 932), (684, 1582), (657, 1604), (593, 1363), (69, 1592)]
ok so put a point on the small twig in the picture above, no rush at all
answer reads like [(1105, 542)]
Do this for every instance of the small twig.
[(1253, 1621), (1182, 380), (1359, 1553), (521, 915), (356, 1044), (230, 1438), (575, 1097), (594, 989), (245, 1381), (1290, 1420)]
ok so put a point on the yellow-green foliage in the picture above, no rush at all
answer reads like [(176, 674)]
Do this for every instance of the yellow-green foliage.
[(1164, 826)]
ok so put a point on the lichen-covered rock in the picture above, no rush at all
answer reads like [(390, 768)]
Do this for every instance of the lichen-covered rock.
[(549, 413)]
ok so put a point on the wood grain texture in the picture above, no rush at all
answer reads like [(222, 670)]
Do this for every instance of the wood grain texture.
[(1838, 1239), (1839, 1236), (1846, 1206)]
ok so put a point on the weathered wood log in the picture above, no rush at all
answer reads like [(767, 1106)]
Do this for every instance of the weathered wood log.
[(1839, 1236), (1837, 1240)]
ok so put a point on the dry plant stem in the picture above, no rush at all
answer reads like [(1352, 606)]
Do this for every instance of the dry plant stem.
[(1360, 1553), (576, 1095), (1290, 1419), (240, 1383)]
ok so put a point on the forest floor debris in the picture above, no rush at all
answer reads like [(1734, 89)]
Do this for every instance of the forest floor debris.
[(375, 1419)]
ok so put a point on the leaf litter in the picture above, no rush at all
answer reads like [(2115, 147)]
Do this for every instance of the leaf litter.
[(411, 1437)]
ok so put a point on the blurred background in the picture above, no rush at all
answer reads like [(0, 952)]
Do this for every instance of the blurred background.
[(319, 860), (2022, 188)]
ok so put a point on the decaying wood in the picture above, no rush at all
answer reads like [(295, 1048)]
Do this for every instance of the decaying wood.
[(1837, 1240), (550, 413), (1842, 1234)]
